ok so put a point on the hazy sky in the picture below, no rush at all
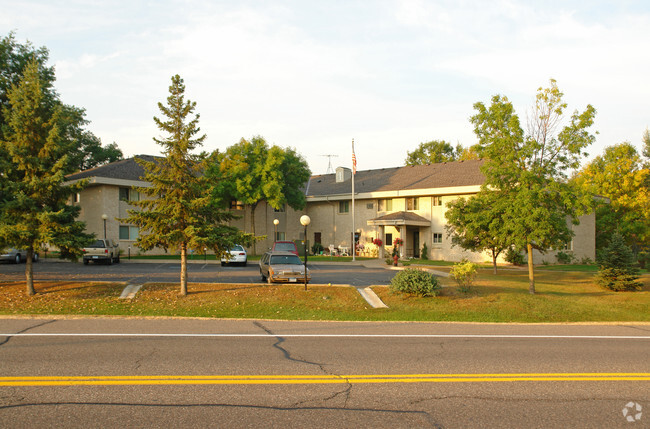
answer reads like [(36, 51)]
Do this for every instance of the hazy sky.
[(313, 75)]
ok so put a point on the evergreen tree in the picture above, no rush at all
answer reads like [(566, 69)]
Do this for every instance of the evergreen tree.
[(617, 266), (33, 209), (180, 212)]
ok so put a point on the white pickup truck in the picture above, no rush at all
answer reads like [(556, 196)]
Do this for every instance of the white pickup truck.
[(104, 250)]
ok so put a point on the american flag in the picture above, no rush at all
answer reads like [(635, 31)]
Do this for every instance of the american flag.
[(354, 160)]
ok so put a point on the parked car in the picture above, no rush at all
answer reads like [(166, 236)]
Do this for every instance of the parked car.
[(237, 256), (282, 267), (285, 246), (104, 250), (16, 256)]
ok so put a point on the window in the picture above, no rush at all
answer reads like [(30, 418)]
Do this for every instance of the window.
[(76, 197), (437, 201), (279, 210), (568, 246), (389, 239), (280, 236), (370, 206), (437, 237), (412, 203), (124, 194), (344, 207), (128, 194), (129, 232), (385, 205), (236, 205)]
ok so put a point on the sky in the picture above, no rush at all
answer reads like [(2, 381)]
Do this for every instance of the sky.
[(313, 75)]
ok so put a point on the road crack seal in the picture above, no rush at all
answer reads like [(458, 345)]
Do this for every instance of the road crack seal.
[(288, 356), (6, 340)]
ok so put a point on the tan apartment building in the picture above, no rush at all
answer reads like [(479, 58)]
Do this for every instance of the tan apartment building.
[(406, 203)]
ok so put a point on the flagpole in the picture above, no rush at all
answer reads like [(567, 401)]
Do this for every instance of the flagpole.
[(354, 172)]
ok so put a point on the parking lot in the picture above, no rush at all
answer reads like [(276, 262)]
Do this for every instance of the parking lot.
[(139, 272)]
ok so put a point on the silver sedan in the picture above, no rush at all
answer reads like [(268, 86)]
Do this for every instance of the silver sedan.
[(282, 267)]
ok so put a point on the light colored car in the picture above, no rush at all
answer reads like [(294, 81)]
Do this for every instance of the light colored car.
[(282, 267), (285, 246), (237, 256), (102, 250), (16, 256)]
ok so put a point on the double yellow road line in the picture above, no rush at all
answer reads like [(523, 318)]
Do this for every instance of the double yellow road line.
[(314, 379)]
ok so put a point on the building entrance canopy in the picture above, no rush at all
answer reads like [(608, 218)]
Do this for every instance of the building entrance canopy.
[(400, 219)]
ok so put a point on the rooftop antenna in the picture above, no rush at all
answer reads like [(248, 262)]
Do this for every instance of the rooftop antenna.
[(329, 165)]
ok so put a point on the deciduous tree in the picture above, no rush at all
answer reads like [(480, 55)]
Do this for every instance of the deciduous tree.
[(529, 170), (620, 175), (433, 152), (86, 150), (476, 224), (251, 171)]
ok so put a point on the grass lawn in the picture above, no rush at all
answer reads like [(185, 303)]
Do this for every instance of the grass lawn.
[(561, 297)]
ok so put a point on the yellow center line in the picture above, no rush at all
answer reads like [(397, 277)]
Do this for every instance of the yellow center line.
[(313, 379)]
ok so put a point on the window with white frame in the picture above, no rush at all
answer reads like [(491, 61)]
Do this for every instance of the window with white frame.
[(437, 237), (344, 207), (437, 201)]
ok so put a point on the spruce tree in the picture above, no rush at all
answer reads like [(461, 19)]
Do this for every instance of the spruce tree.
[(33, 201), (180, 212), (617, 266)]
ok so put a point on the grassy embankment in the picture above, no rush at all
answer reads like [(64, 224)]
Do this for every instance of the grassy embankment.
[(561, 297)]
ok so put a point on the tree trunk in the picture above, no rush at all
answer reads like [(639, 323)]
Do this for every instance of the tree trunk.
[(184, 269), (531, 271), (253, 207), (494, 261), (29, 272)]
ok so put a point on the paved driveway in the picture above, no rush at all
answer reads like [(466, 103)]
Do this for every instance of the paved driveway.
[(142, 272)]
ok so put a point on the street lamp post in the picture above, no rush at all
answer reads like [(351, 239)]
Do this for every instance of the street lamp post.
[(275, 229), (104, 217), (305, 220)]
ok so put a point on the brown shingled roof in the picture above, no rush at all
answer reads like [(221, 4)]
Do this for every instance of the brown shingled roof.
[(443, 175)]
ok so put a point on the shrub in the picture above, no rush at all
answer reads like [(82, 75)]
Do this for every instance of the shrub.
[(514, 256), (616, 267), (317, 248), (564, 258), (415, 282), (464, 274), (425, 252)]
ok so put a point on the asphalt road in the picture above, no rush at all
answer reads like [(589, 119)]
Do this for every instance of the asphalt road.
[(233, 373), (139, 273)]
